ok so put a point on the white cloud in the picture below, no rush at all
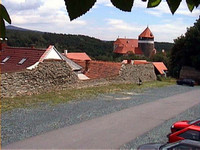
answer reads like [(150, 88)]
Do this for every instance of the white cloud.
[(168, 31), (117, 24), (139, 4), (14, 5), (104, 2), (51, 16), (42, 15)]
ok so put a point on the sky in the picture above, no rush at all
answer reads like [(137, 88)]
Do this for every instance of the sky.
[(103, 20)]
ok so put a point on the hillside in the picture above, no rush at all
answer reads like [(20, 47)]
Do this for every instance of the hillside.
[(159, 46), (95, 48)]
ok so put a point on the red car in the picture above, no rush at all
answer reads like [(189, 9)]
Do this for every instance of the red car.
[(183, 124), (191, 132)]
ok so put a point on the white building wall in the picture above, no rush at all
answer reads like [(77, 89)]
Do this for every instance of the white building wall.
[(52, 54), (146, 41)]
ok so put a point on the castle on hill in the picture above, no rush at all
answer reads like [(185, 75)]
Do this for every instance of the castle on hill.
[(144, 45)]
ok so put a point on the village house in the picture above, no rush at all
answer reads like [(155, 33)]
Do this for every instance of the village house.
[(160, 68), (94, 69), (80, 57), (144, 45), (15, 59)]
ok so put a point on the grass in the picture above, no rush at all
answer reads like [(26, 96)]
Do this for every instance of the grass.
[(57, 97)]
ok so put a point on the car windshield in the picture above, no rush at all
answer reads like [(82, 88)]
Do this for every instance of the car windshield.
[(193, 121)]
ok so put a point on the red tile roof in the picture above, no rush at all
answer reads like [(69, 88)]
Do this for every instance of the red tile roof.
[(136, 62), (16, 54), (138, 51), (78, 56), (123, 46), (160, 66), (101, 69), (146, 34)]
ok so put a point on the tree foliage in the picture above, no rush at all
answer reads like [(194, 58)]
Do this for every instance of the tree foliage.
[(4, 16), (95, 48), (162, 57), (76, 8), (186, 50)]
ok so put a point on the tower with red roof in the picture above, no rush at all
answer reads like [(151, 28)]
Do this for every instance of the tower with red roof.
[(146, 42)]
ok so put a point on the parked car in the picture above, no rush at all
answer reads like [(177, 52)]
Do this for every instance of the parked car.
[(191, 132), (183, 124), (189, 82), (180, 145)]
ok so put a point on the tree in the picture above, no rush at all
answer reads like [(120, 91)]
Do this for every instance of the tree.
[(186, 50), (4, 16), (76, 8), (160, 57)]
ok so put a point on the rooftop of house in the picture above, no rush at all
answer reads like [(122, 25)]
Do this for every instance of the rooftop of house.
[(160, 66), (137, 62), (123, 46), (19, 58), (100, 69), (146, 34), (78, 56), (15, 59)]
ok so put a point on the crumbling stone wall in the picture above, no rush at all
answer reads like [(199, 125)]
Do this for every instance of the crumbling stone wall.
[(144, 72), (51, 75), (189, 72), (47, 76)]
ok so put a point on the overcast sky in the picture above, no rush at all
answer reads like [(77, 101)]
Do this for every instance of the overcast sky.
[(103, 21)]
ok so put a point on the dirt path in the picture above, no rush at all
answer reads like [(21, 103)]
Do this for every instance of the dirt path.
[(113, 130)]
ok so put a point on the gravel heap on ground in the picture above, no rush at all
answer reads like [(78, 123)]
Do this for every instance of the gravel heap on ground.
[(19, 124)]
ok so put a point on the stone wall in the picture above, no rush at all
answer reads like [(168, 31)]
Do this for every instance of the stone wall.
[(47, 76), (144, 72), (57, 75), (189, 72)]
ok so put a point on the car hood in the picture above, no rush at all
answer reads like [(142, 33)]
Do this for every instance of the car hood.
[(151, 146), (181, 124)]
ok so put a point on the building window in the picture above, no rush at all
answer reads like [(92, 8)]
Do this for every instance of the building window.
[(6, 59), (22, 61)]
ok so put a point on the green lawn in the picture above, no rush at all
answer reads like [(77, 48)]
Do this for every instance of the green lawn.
[(75, 94)]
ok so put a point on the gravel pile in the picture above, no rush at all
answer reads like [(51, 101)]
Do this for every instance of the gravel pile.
[(19, 124)]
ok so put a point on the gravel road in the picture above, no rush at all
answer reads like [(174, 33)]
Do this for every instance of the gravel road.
[(158, 134), (19, 124)]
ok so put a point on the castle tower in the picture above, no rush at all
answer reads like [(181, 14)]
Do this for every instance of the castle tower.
[(146, 42)]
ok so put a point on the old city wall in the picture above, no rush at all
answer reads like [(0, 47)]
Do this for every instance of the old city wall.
[(144, 72), (48, 76), (189, 72), (52, 75)]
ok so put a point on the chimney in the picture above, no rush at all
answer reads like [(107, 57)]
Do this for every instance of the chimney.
[(3, 43), (65, 52), (86, 65), (32, 45), (129, 61)]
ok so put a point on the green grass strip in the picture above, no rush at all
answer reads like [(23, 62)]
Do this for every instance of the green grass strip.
[(67, 95)]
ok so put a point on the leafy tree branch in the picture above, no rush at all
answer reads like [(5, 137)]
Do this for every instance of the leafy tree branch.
[(76, 8), (4, 16)]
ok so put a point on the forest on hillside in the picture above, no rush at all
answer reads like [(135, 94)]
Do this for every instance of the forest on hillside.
[(95, 48)]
